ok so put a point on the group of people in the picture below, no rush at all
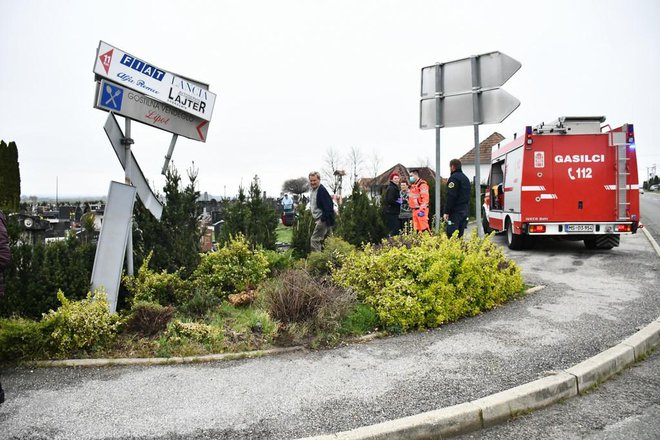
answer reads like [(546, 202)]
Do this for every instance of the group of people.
[(406, 203)]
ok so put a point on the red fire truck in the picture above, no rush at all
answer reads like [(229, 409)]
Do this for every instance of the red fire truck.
[(569, 179)]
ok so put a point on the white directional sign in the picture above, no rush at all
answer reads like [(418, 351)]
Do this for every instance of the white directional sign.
[(108, 261), (495, 68), (456, 110), (131, 104), (147, 196), (183, 93)]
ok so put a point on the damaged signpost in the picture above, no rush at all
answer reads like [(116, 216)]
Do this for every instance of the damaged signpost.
[(142, 92), (466, 92)]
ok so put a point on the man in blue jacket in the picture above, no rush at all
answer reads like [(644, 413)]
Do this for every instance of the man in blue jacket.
[(322, 209)]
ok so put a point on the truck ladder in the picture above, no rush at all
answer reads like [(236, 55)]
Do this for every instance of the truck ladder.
[(618, 140)]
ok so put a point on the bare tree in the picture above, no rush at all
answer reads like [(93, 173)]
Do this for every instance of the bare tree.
[(332, 163), (296, 186), (375, 162), (356, 162)]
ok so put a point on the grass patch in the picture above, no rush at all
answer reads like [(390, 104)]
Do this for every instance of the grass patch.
[(284, 233)]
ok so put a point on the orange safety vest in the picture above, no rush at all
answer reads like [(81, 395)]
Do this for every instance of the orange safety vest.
[(418, 197)]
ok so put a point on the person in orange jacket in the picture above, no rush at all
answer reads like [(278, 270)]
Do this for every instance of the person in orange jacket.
[(418, 199)]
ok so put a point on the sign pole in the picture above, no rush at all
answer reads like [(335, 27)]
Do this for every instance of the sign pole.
[(476, 114), (438, 119), (129, 242)]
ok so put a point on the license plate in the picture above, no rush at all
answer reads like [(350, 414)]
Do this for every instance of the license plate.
[(579, 228)]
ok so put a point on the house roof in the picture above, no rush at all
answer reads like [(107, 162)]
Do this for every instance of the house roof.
[(383, 179), (485, 149)]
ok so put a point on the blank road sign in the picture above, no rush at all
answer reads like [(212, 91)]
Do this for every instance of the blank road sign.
[(456, 110), (495, 68)]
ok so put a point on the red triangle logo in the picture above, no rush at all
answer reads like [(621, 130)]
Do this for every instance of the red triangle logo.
[(106, 59)]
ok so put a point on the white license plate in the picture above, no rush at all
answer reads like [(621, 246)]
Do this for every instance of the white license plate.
[(579, 228)]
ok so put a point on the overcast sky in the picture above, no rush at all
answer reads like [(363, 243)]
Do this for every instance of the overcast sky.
[(295, 78)]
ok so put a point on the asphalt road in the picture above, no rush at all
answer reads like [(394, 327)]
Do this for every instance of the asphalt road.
[(650, 211), (592, 301)]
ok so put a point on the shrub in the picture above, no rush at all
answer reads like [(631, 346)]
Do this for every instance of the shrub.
[(162, 288), (331, 257), (148, 319), (422, 281), (310, 306), (23, 339), (302, 233), (362, 319), (201, 302), (81, 326), (360, 220), (232, 268), (36, 273), (194, 331), (278, 261)]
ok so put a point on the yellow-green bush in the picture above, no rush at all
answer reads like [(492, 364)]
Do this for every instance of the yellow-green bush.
[(422, 281), (232, 268), (162, 288), (81, 326)]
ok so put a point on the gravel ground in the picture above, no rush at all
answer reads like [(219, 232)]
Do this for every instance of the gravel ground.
[(592, 301)]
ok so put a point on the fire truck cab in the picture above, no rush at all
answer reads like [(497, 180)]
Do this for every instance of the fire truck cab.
[(569, 179)]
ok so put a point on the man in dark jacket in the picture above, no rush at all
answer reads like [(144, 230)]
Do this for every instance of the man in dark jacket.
[(322, 209), (392, 205), (5, 257), (457, 206)]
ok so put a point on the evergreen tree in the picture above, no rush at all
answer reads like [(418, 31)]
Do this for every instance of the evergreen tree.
[(302, 232), (263, 218), (10, 178), (175, 240), (360, 221), (235, 218), (251, 216)]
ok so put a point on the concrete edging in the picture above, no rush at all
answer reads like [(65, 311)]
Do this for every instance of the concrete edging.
[(502, 406)]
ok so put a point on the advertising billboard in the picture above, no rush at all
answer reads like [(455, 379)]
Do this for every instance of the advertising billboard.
[(139, 107), (185, 94)]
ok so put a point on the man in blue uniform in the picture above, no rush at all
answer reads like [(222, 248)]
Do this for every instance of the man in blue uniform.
[(457, 206)]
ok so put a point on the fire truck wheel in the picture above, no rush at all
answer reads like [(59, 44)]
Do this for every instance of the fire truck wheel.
[(590, 243), (514, 241)]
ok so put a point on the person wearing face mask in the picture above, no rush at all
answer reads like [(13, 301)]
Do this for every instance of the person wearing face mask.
[(418, 199)]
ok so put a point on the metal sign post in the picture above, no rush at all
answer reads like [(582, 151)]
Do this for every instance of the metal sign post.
[(476, 86), (466, 92), (127, 179)]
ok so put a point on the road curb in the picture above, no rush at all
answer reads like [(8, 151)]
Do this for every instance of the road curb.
[(654, 243), (499, 407)]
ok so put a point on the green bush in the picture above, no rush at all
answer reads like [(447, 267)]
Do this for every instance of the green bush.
[(162, 288), (278, 261), (37, 272), (360, 220), (81, 326), (422, 280), (331, 257), (362, 319), (23, 339), (232, 268), (302, 232)]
